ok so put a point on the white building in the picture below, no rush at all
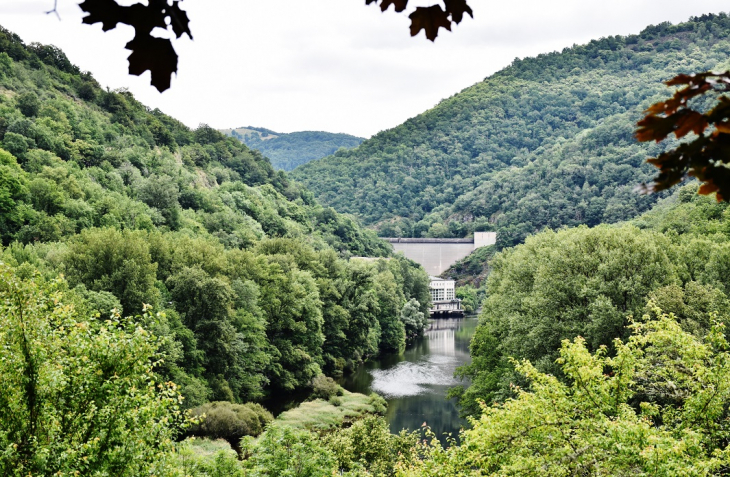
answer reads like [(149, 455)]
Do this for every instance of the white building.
[(443, 298), (442, 289)]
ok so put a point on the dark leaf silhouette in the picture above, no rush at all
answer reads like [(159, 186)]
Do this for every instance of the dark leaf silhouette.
[(457, 9), (400, 5), (156, 55), (149, 53), (429, 19), (106, 12), (179, 21), (705, 157)]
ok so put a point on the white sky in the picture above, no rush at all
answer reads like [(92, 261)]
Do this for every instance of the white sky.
[(332, 65)]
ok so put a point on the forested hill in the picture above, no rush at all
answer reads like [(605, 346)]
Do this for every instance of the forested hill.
[(289, 150), (546, 142), (132, 207)]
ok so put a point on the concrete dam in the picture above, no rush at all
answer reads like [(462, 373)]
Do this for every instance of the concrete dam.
[(436, 255)]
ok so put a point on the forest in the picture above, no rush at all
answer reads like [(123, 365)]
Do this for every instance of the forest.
[(163, 285), (249, 286), (287, 151), (545, 142)]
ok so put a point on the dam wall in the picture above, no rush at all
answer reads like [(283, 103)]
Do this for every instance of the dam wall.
[(437, 255)]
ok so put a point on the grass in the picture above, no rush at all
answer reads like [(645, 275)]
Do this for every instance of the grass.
[(321, 415), (204, 447)]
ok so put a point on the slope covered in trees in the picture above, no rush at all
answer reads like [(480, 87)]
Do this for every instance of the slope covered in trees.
[(251, 275), (289, 150), (546, 142), (590, 282)]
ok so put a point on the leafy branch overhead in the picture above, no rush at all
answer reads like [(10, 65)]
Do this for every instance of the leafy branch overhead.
[(430, 19), (148, 52), (707, 156)]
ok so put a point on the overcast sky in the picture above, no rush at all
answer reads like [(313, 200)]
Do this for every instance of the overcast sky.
[(332, 65)]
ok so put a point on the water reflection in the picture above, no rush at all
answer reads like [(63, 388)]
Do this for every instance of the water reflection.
[(415, 383)]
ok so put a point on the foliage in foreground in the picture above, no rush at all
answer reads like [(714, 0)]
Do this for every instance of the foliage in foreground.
[(658, 407), (78, 395), (588, 282)]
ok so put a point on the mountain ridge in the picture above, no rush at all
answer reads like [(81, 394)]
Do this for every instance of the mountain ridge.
[(286, 151), (546, 142)]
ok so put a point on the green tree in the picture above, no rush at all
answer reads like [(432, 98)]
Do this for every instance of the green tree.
[(559, 285), (288, 452), (414, 321), (232, 344), (661, 410), (79, 396), (113, 261)]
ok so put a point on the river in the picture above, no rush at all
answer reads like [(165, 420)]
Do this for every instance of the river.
[(415, 383)]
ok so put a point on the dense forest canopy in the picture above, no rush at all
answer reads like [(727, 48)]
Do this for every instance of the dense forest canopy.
[(546, 142), (592, 282), (254, 279), (289, 150)]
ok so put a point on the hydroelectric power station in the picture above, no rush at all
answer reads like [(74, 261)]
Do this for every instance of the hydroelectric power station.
[(436, 255)]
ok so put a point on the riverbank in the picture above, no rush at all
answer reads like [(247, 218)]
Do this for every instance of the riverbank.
[(415, 383), (320, 415)]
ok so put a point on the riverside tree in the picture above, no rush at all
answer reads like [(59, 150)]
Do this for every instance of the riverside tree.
[(658, 406)]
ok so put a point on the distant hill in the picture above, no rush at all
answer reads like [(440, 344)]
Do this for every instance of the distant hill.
[(546, 142), (290, 150)]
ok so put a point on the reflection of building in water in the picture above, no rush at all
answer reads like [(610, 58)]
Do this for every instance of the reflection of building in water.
[(444, 303), (442, 342)]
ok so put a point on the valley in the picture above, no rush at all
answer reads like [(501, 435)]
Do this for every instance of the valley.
[(200, 302)]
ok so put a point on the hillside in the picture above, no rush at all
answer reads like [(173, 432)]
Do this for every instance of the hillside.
[(251, 275), (546, 142), (290, 150)]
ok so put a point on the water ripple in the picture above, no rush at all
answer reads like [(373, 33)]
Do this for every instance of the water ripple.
[(411, 379)]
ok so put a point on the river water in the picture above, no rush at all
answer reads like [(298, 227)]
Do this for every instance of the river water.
[(415, 383)]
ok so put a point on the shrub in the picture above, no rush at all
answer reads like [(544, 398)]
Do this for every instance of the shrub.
[(229, 421), (325, 388)]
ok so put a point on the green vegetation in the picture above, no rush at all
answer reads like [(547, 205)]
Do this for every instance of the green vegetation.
[(324, 387), (472, 269), (330, 414), (107, 208), (589, 282), (79, 396), (251, 275), (546, 142), (290, 150), (660, 411), (231, 422)]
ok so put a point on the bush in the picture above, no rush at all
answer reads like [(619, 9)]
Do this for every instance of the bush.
[(336, 401), (325, 388), (379, 404), (225, 420)]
